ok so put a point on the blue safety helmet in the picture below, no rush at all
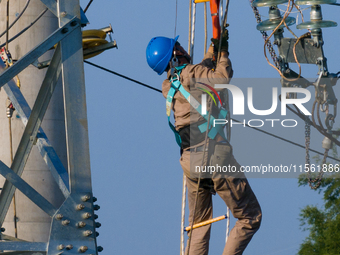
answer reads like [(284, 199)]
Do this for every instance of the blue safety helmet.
[(159, 53)]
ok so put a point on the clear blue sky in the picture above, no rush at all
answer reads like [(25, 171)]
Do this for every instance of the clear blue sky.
[(136, 173)]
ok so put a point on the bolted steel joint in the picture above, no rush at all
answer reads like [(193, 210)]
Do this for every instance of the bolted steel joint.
[(65, 222), (74, 23), (61, 247), (64, 30), (69, 247), (81, 224), (83, 249), (80, 207), (85, 198), (59, 216), (87, 215), (88, 233)]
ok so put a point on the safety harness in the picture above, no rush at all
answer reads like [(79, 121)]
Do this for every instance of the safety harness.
[(177, 86)]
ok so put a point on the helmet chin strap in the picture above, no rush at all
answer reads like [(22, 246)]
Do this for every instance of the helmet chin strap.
[(173, 63)]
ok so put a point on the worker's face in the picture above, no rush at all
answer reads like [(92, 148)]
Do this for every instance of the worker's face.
[(181, 53)]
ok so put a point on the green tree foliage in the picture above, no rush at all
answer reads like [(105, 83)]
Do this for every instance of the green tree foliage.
[(323, 224)]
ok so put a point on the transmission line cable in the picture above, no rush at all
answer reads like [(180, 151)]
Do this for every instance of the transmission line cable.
[(26, 28), (257, 129), (88, 5), (16, 19)]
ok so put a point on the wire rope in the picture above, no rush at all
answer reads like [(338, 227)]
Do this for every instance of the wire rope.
[(26, 28), (87, 6), (17, 18)]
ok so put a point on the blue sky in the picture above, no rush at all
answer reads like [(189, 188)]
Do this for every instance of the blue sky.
[(136, 173)]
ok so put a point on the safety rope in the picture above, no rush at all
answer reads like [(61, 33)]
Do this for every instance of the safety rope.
[(183, 212), (191, 44), (199, 176), (193, 32), (175, 33), (205, 29), (190, 23), (225, 91), (13, 199), (7, 24), (9, 62)]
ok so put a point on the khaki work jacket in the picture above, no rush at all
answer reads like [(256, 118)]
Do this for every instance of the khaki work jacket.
[(184, 113)]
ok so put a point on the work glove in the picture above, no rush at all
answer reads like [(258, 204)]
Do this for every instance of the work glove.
[(224, 41)]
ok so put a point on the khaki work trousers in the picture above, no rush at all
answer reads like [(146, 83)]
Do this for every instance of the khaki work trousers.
[(238, 196)]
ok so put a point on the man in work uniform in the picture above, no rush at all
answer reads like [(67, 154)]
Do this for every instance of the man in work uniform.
[(163, 54)]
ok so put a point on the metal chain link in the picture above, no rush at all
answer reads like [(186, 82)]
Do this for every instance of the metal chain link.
[(316, 182), (307, 142), (265, 36)]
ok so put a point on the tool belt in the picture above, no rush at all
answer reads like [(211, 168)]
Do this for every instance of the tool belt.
[(191, 135)]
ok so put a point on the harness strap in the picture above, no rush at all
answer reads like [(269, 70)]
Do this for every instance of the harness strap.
[(177, 86)]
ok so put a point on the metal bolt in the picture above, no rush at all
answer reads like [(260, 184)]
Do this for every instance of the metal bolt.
[(94, 199), (2, 229), (83, 249), (61, 247), (65, 222), (63, 14), (74, 23), (100, 248), (69, 247), (97, 225), (86, 198), (80, 207), (64, 30), (97, 234), (88, 233), (81, 224), (86, 215), (95, 216), (96, 207), (59, 216)]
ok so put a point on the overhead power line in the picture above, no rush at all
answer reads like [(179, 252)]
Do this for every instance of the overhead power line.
[(123, 76), (16, 19), (26, 28), (257, 129)]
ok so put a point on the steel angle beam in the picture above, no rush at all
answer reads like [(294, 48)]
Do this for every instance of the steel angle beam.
[(24, 253), (31, 56), (27, 190), (22, 246), (11, 238), (74, 226), (51, 5), (305, 50), (77, 140), (35, 120), (46, 150)]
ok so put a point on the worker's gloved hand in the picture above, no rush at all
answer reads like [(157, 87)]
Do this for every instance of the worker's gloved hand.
[(224, 42)]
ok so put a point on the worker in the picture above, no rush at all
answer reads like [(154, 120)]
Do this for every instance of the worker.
[(183, 79)]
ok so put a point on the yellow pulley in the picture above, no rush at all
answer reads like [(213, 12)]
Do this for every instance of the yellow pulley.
[(93, 38)]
